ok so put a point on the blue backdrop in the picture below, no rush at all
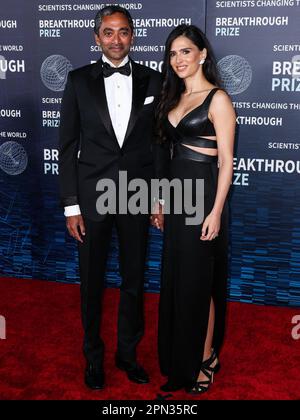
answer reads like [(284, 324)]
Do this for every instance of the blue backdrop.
[(258, 52)]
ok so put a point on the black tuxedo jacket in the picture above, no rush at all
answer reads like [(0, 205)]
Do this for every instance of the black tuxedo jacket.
[(86, 127)]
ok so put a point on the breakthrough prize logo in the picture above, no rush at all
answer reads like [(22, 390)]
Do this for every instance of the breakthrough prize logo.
[(13, 158), (236, 73), (54, 72), (2, 72)]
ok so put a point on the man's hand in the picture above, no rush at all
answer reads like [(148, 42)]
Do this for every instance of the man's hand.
[(76, 227), (157, 217)]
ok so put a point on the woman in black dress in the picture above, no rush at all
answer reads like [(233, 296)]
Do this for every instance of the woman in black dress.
[(196, 125)]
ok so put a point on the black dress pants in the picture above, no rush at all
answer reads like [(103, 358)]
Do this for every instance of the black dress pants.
[(132, 231)]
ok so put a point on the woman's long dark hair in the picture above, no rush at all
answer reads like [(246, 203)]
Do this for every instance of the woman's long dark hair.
[(173, 86)]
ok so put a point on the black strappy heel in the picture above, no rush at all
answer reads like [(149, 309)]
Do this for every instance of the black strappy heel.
[(202, 386), (213, 358)]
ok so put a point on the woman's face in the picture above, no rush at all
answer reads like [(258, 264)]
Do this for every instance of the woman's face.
[(185, 57)]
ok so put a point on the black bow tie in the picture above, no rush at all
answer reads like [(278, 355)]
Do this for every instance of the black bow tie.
[(108, 70)]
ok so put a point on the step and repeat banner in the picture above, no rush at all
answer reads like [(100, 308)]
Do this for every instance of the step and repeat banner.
[(257, 45), (258, 53)]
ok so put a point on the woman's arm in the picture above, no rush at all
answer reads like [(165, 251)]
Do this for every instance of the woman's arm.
[(223, 117)]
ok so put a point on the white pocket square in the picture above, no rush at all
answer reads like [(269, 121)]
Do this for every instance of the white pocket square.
[(148, 100)]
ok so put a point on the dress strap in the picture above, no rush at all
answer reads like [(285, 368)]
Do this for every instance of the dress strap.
[(209, 97)]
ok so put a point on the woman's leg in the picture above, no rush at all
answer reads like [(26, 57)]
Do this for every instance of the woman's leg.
[(210, 332), (208, 341)]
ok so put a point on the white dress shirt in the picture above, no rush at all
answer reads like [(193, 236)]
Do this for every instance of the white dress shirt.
[(118, 90)]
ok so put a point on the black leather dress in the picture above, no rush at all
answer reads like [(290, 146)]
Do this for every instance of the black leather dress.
[(193, 271)]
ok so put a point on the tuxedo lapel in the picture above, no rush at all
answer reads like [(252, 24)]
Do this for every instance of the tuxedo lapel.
[(97, 89), (139, 88)]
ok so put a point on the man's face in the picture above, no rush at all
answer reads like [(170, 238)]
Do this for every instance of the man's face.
[(115, 37)]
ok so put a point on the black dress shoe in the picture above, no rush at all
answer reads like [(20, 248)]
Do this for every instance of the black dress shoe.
[(135, 372), (171, 386), (94, 377)]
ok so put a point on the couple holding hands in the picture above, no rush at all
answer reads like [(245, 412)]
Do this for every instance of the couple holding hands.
[(118, 115)]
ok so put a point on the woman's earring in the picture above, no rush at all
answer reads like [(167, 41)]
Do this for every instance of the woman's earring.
[(202, 61)]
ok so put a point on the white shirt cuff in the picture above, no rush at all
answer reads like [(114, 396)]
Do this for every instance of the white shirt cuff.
[(72, 210)]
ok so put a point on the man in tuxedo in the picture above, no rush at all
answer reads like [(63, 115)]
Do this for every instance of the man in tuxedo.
[(107, 126)]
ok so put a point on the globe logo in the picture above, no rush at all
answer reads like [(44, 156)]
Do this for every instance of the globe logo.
[(54, 72), (13, 158), (236, 73)]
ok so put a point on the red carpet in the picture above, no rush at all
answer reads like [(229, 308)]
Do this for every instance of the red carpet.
[(41, 356)]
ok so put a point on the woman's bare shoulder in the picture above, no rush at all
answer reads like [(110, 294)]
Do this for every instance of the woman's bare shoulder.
[(221, 99)]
